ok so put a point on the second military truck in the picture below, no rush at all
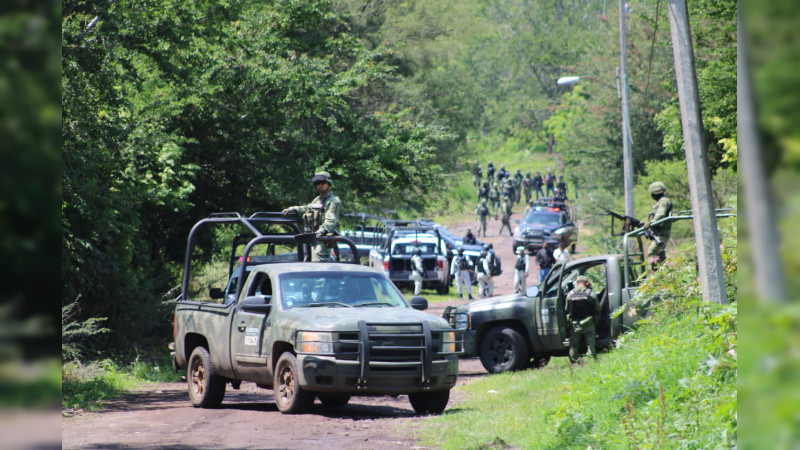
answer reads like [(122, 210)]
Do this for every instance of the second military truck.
[(306, 330)]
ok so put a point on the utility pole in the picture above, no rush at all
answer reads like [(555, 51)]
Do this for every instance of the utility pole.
[(760, 217), (627, 155), (709, 260)]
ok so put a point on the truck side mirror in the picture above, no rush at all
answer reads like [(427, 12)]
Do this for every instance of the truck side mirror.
[(215, 293), (255, 304), (419, 303), (532, 291)]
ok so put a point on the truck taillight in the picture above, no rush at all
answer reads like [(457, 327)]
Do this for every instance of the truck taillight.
[(441, 264), (386, 265)]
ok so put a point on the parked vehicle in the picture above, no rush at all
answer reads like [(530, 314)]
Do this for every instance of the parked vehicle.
[(307, 330), (550, 222)]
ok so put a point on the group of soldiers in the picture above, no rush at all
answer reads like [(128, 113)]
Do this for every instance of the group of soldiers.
[(582, 308), (501, 191)]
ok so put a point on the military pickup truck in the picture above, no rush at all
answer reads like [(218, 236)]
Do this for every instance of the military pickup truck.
[(306, 330), (520, 331), (393, 254)]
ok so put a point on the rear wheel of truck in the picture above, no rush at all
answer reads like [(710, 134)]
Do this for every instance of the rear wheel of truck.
[(333, 400), (289, 396), (206, 388), (503, 349), (429, 402)]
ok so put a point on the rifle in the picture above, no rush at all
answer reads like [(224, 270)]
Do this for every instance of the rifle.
[(631, 222)]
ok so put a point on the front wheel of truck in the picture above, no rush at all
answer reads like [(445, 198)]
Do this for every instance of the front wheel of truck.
[(289, 396), (206, 388), (503, 349), (429, 402)]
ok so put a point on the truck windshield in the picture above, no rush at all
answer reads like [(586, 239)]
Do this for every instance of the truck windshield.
[(537, 218), (338, 289)]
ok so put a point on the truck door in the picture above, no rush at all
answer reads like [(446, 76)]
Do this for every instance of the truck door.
[(546, 311), (596, 272), (249, 350)]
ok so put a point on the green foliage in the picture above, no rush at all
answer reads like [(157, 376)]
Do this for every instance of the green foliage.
[(90, 386), (74, 333), (714, 33)]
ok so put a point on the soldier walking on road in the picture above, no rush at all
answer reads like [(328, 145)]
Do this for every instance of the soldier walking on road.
[(477, 174), (582, 308), (417, 270), (517, 181), (494, 198), (527, 186), (545, 260), (460, 269), (656, 252), (490, 173), (483, 272), (322, 213), (483, 192), (482, 211), (550, 183), (538, 182), (506, 218), (522, 267)]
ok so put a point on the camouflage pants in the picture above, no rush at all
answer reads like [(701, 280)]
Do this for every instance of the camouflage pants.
[(482, 225), (577, 335), (320, 252), (657, 251)]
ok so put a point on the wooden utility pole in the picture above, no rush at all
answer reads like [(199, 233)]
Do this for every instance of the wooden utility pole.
[(709, 259), (627, 154)]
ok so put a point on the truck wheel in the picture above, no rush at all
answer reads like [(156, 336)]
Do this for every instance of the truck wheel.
[(503, 349), (537, 362), (289, 396), (206, 388), (333, 400), (443, 289), (429, 402)]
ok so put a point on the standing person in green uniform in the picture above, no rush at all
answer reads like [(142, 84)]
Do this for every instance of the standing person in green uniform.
[(322, 213), (656, 252), (582, 310)]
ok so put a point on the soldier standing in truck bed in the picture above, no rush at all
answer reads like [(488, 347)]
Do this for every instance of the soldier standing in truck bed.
[(656, 252), (322, 213)]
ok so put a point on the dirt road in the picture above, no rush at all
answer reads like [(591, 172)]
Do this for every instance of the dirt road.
[(161, 415)]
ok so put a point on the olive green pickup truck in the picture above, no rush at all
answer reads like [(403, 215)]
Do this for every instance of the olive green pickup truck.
[(307, 330)]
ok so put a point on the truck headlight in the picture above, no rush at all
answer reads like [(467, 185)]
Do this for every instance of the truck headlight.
[(461, 321), (449, 342), (314, 342)]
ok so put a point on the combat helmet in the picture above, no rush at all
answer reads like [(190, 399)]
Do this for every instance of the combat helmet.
[(322, 176), (460, 250), (657, 188), (583, 279)]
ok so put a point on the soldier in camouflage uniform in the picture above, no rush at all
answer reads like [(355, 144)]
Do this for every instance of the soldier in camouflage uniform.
[(483, 192), (506, 217), (656, 252), (477, 174), (517, 181), (582, 309), (527, 186), (482, 211), (494, 198), (322, 213)]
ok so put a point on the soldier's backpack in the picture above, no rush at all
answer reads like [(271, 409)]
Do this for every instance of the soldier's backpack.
[(494, 265), (483, 210), (579, 307)]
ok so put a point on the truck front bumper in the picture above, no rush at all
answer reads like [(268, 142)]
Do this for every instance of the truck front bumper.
[(327, 374)]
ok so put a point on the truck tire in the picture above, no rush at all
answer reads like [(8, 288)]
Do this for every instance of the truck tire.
[(429, 402), (503, 349), (333, 400), (289, 396), (206, 388), (443, 289)]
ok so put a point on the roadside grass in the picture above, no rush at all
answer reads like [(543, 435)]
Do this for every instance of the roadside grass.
[(88, 386), (671, 383)]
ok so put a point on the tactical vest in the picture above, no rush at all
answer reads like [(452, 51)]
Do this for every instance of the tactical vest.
[(461, 263), (579, 306), (314, 216), (520, 263)]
